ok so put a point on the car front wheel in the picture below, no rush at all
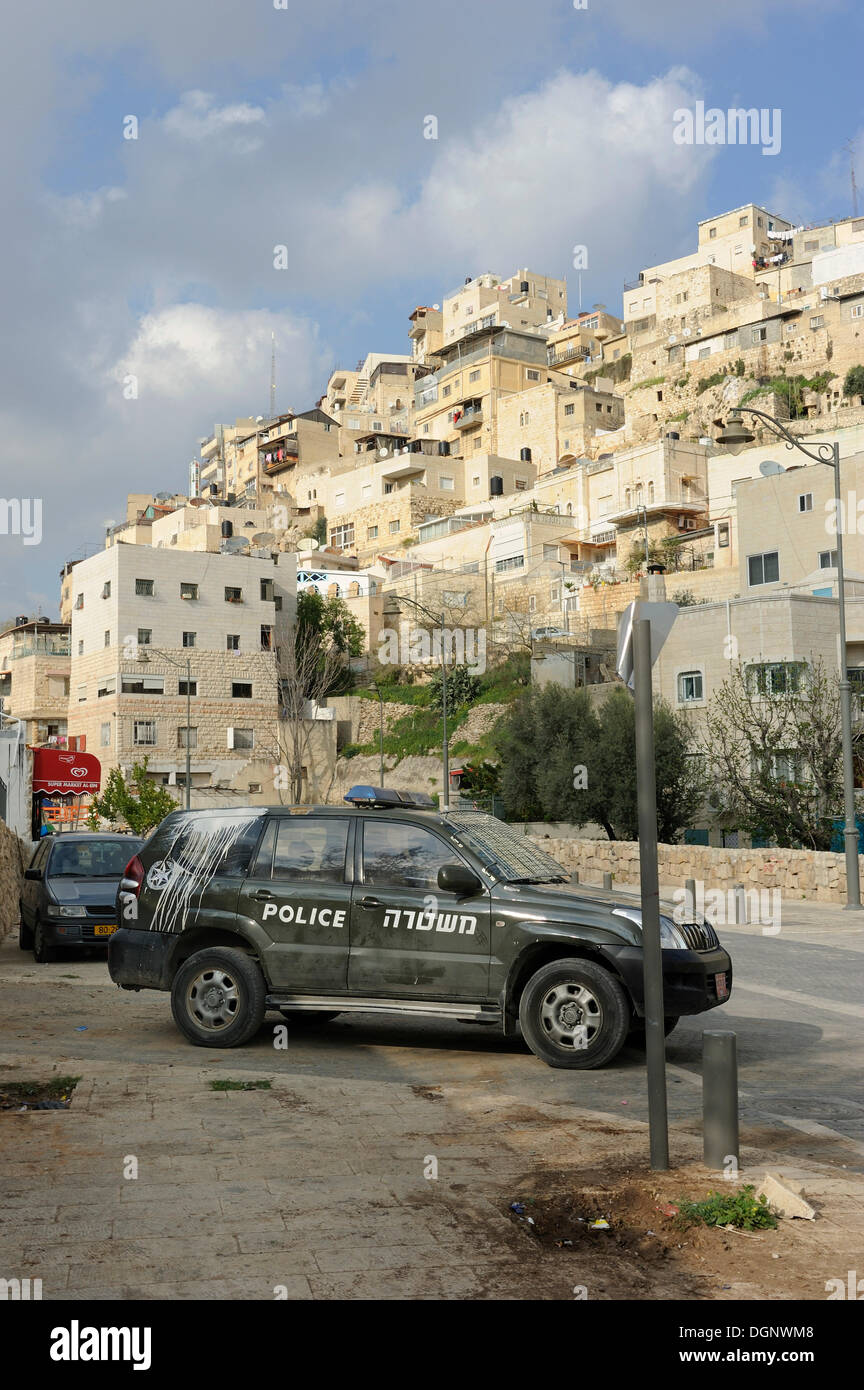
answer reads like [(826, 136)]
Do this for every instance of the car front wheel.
[(574, 1013), (218, 998), (43, 951)]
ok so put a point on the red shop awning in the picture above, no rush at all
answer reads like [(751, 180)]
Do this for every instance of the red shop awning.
[(58, 773)]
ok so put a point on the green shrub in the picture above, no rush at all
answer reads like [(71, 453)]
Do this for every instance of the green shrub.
[(740, 1209)]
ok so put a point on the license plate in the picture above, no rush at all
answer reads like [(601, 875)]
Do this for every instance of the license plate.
[(722, 987), (105, 929)]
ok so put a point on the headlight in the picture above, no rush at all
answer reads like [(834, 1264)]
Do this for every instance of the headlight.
[(60, 910), (670, 937)]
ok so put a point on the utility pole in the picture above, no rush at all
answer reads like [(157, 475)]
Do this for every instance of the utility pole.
[(272, 376)]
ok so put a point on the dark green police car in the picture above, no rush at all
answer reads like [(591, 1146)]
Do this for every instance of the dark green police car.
[(385, 905)]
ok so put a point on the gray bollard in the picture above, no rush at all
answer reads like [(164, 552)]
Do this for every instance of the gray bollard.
[(607, 881), (690, 896), (740, 904), (720, 1100)]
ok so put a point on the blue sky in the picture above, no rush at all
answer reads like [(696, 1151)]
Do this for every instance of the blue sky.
[(303, 127)]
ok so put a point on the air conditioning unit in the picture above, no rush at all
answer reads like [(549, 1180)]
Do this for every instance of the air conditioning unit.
[(172, 779), (686, 333)]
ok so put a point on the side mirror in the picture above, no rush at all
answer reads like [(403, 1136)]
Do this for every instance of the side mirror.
[(33, 873), (456, 878)]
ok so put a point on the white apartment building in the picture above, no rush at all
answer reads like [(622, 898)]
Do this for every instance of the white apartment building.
[(139, 615)]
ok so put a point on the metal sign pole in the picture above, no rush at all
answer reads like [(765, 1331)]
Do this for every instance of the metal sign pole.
[(646, 792)]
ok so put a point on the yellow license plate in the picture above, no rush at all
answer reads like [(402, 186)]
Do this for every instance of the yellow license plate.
[(106, 929)]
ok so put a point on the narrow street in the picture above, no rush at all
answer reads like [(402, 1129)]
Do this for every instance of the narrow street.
[(324, 1185)]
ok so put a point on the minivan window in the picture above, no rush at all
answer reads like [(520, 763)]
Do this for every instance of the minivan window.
[(92, 858)]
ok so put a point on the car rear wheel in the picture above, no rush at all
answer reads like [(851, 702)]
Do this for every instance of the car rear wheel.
[(574, 1014), (25, 935), (218, 998), (43, 952)]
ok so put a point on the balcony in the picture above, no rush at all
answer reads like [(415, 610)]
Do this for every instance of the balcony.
[(468, 418), (288, 460), (43, 646), (571, 353)]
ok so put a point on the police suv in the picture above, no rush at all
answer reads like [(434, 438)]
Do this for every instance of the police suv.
[(386, 905)]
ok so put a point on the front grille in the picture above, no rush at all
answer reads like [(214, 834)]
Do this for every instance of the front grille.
[(700, 936), (100, 909)]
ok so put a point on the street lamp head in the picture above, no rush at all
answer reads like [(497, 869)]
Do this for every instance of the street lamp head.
[(736, 435)]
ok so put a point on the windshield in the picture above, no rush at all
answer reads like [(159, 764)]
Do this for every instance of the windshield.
[(92, 858), (507, 854)]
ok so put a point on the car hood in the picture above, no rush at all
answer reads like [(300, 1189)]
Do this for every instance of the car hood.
[(561, 902), (96, 892)]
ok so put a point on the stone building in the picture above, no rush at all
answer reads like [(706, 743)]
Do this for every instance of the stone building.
[(34, 678), (139, 615), (552, 423)]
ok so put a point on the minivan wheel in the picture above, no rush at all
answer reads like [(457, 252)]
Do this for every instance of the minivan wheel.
[(43, 953), (218, 998), (574, 1014)]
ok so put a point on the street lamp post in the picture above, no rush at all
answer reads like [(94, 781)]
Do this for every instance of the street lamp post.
[(402, 598), (735, 436)]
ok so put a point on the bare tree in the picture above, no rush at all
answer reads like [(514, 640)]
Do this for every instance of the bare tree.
[(772, 752), (312, 665)]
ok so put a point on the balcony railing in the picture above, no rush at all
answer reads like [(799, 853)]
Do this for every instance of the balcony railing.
[(472, 416), (43, 646), (567, 354)]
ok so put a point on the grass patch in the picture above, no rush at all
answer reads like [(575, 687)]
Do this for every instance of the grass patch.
[(223, 1084), (739, 1209), (14, 1094)]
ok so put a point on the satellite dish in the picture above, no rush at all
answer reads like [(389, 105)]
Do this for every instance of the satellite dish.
[(313, 544), (769, 468)]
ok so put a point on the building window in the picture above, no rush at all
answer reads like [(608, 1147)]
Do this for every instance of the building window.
[(689, 687), (446, 391), (827, 559), (394, 527), (188, 590), (342, 536), (241, 738), (105, 734), (775, 677), (742, 221), (817, 322), (531, 375), (145, 636), (241, 690), (712, 232), (233, 595), (512, 562), (857, 311), (187, 737), (189, 639), (142, 685), (144, 732), (145, 588), (82, 693), (475, 375), (758, 335), (371, 533), (805, 501), (445, 483), (519, 485), (763, 569), (232, 641), (107, 637), (570, 409), (79, 602), (106, 589), (181, 687)]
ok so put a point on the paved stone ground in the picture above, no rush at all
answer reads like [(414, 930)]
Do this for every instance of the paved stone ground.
[(317, 1186)]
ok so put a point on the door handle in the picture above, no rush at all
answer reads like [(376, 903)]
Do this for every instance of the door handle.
[(369, 903), (262, 895)]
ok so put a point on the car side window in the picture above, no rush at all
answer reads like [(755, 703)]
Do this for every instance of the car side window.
[(40, 855), (311, 849), (403, 856)]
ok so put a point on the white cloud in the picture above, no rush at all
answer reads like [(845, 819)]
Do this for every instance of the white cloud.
[(86, 209), (196, 117), (187, 352)]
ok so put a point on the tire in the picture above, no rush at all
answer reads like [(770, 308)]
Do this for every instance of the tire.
[(43, 951), (25, 935), (568, 995), (231, 1016), (636, 1035)]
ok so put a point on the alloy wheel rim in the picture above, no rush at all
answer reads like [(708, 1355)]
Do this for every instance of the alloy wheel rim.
[(213, 999), (571, 1016)]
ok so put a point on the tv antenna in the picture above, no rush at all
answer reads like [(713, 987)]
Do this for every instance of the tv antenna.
[(850, 148), (272, 376)]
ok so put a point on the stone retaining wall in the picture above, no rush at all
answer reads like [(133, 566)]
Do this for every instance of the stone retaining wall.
[(812, 874), (14, 854)]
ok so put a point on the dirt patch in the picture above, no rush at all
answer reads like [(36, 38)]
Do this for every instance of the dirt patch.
[(56, 1094), (428, 1092)]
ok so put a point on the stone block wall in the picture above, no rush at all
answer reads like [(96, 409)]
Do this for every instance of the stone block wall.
[(815, 875), (14, 856)]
